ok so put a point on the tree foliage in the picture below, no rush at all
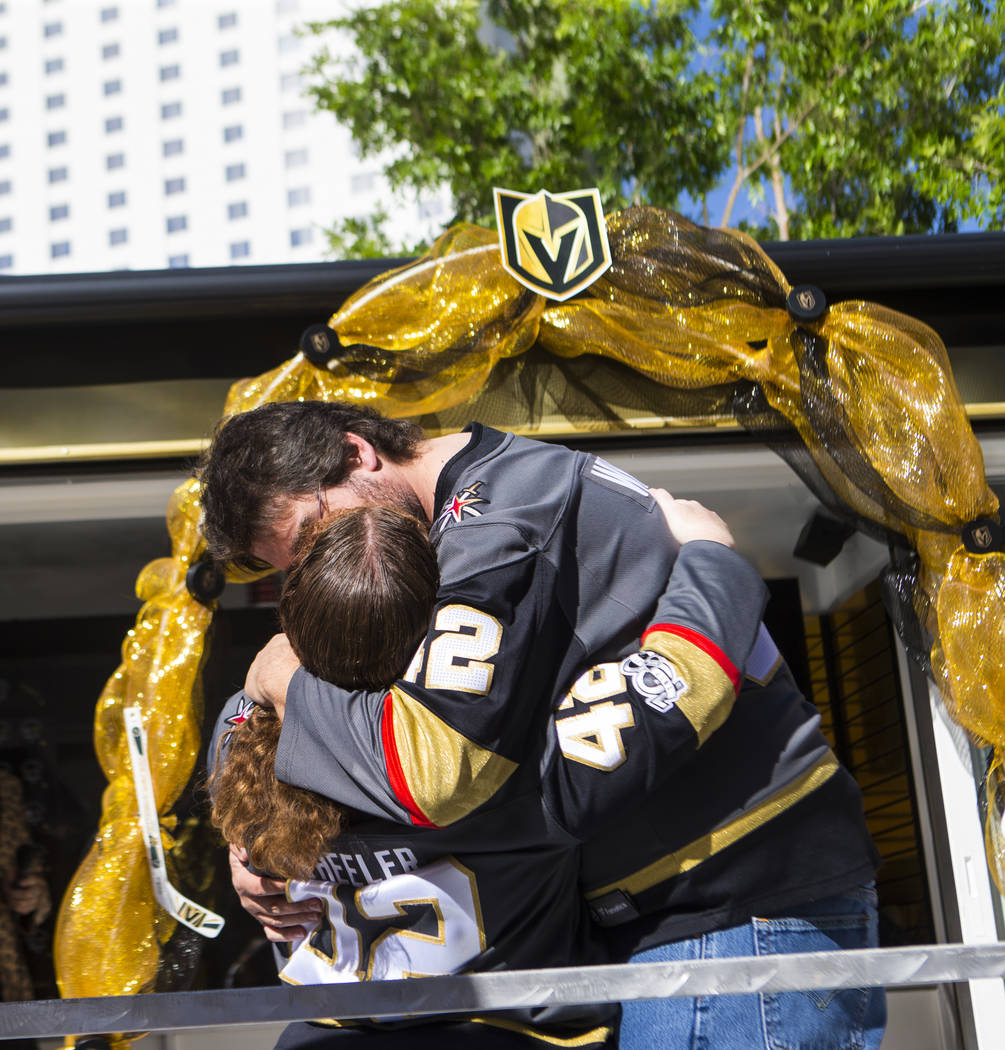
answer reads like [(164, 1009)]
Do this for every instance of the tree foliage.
[(843, 116), (865, 117)]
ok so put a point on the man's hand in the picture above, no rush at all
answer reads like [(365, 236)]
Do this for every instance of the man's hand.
[(264, 899), (689, 520), (270, 673)]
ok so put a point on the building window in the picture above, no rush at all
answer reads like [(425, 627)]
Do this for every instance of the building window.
[(4, 150), (59, 249), (174, 186), (230, 95), (3, 79), (289, 82), (112, 87), (110, 51), (55, 101), (4, 186), (54, 65), (176, 223), (301, 236), (59, 211), (240, 249), (56, 138), (361, 183), (173, 147), (117, 199), (119, 236), (234, 172), (170, 72), (237, 210), (109, 14), (233, 133), (170, 110), (59, 174), (296, 118), (3, 43), (166, 3), (288, 43), (115, 160), (178, 262), (167, 36), (227, 20), (295, 158), (4, 114), (229, 58), (6, 262), (52, 29), (5, 224), (285, 7), (113, 124)]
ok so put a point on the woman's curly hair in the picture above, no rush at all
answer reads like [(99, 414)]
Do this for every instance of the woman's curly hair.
[(355, 605), (285, 829)]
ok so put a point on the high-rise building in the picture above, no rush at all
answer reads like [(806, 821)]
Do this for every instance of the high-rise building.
[(147, 134)]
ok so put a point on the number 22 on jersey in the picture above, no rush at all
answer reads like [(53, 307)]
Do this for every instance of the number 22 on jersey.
[(418, 924), (459, 658)]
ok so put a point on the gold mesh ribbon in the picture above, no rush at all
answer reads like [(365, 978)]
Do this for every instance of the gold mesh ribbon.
[(109, 927), (869, 392)]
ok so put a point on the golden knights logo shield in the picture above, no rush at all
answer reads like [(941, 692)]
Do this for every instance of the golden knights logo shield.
[(554, 243)]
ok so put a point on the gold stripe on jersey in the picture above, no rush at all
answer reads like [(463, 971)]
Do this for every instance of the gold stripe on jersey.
[(709, 696), (693, 854), (447, 774), (594, 1037)]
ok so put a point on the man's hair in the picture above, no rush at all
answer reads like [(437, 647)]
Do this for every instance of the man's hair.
[(355, 605), (283, 450)]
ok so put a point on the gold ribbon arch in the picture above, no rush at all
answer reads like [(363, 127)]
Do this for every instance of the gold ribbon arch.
[(868, 390)]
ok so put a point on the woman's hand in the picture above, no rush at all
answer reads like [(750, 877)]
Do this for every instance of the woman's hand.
[(689, 520), (264, 899)]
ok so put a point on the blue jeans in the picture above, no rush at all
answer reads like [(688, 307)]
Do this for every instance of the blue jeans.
[(846, 1019)]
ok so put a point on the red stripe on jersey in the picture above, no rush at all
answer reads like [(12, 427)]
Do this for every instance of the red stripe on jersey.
[(706, 645), (395, 774)]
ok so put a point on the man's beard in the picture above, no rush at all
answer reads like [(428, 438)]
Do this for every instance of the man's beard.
[(397, 496)]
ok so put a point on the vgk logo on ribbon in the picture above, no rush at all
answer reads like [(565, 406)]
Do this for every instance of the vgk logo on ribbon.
[(554, 243)]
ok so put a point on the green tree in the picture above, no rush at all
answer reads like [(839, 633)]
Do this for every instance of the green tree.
[(864, 117), (527, 94), (842, 116)]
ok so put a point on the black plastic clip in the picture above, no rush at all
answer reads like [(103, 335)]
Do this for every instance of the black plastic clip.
[(806, 302), (320, 344), (205, 580), (982, 536)]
